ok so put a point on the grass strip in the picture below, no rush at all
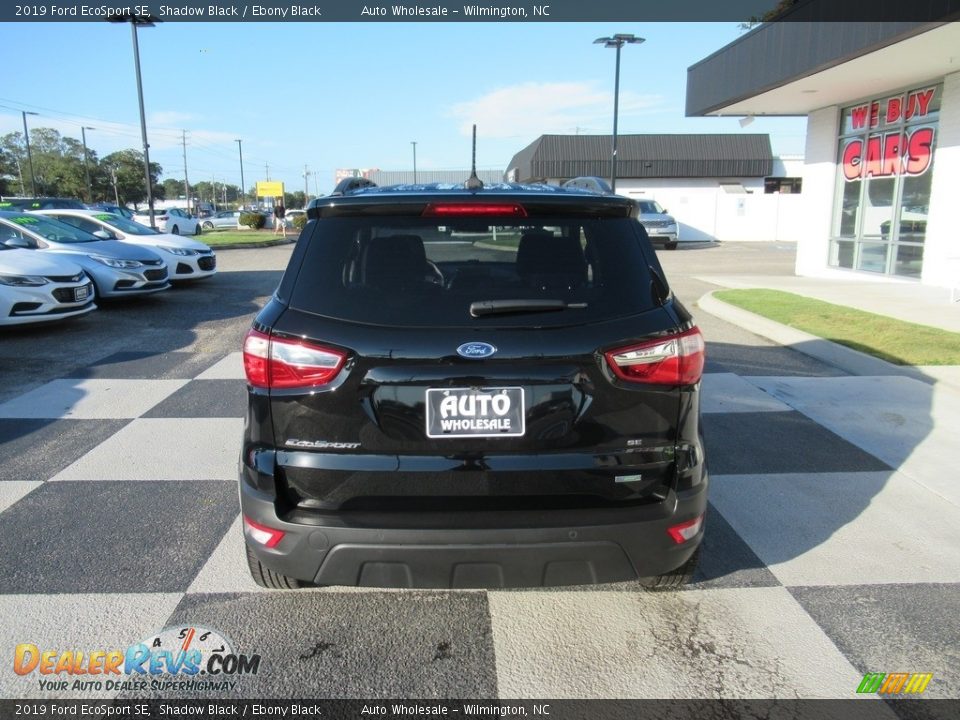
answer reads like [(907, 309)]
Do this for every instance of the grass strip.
[(895, 341)]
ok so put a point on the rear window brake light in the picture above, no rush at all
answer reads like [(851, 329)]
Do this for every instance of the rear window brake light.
[(485, 209)]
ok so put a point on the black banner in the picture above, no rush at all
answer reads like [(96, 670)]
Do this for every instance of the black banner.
[(495, 11), (854, 709)]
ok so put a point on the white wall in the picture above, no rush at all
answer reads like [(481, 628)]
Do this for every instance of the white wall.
[(819, 181), (941, 258)]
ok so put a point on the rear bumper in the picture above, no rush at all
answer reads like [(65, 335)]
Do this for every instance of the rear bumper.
[(464, 550)]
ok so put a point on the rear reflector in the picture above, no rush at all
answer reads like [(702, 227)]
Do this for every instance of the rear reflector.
[(686, 531), (268, 537), (271, 362), (474, 209), (673, 360)]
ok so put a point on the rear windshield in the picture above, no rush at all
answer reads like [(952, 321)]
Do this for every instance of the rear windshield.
[(439, 272)]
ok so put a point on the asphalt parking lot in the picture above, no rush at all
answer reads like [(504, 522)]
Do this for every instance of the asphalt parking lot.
[(828, 554)]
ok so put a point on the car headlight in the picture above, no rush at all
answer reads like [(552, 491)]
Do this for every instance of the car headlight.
[(177, 251), (116, 262), (22, 280)]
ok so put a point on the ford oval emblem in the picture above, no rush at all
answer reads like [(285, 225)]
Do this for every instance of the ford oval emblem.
[(476, 350)]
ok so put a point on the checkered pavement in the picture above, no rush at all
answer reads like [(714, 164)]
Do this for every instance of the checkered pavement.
[(833, 549)]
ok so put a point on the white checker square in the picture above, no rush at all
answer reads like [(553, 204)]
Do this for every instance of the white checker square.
[(226, 570), (12, 490), (85, 622), (731, 643), (229, 368), (728, 393), (91, 399), (843, 528), (164, 449)]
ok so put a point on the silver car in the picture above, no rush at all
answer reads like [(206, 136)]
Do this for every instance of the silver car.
[(117, 269), (661, 227)]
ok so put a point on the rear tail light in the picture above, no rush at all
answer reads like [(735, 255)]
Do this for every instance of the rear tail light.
[(686, 530), (672, 360), (482, 209), (268, 537), (271, 362)]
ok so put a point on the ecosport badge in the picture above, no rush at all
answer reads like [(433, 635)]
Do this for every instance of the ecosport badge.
[(476, 350)]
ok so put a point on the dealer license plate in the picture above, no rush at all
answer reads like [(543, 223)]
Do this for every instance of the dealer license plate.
[(81, 293), (475, 412)]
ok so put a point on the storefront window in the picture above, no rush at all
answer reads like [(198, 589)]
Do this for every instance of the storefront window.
[(884, 169)]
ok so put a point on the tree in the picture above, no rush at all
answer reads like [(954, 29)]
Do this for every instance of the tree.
[(173, 188), (128, 166), (295, 199)]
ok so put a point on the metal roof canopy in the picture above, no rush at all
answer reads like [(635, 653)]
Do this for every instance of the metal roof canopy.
[(646, 156)]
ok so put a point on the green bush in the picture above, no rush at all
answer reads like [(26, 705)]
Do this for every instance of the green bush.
[(252, 220), (299, 222)]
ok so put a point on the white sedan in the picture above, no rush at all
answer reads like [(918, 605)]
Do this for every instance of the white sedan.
[(175, 221), (186, 259), (41, 287)]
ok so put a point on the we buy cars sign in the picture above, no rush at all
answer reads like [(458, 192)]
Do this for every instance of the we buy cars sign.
[(897, 152)]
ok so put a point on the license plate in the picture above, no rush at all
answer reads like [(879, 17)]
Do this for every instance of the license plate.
[(81, 293), (475, 412)]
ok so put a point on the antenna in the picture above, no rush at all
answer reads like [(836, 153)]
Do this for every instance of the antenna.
[(473, 182)]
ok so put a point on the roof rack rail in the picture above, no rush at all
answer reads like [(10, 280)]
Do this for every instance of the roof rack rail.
[(592, 183), (348, 185)]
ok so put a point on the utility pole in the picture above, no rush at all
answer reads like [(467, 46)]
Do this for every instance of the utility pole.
[(414, 143), (267, 168), (186, 182), (243, 190), (306, 187), (20, 173), (113, 178), (86, 161), (26, 137)]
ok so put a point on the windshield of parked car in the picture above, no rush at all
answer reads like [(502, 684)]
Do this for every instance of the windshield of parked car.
[(49, 229), (651, 207), (128, 227), (426, 273)]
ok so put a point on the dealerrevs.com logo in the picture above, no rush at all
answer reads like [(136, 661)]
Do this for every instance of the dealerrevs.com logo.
[(190, 658)]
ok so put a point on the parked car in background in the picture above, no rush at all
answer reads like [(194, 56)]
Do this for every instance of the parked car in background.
[(172, 220), (117, 269), (222, 219), (293, 215), (41, 287), (39, 203), (186, 259), (115, 209), (661, 227)]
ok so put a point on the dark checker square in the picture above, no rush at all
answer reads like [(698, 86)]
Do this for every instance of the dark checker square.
[(779, 442), (893, 628), (204, 399), (39, 449), (148, 366), (348, 644), (103, 537)]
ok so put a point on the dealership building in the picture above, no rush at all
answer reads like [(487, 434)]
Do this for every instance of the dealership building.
[(881, 168)]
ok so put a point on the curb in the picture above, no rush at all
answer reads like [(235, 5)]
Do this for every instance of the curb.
[(251, 245), (840, 356)]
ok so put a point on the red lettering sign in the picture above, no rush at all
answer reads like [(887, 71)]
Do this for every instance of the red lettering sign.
[(919, 151), (873, 161), (892, 151), (851, 160), (888, 155), (874, 114), (858, 117), (894, 108)]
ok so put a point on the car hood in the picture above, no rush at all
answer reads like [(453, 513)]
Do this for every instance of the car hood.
[(168, 239), (31, 262), (107, 248)]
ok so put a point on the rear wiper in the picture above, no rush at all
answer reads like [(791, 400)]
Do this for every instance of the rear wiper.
[(505, 307)]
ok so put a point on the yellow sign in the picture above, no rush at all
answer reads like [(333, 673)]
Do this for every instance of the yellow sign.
[(269, 188)]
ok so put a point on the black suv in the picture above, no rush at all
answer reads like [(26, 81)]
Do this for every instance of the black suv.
[(458, 387)]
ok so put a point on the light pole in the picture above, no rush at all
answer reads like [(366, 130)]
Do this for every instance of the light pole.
[(144, 21), (617, 41), (414, 143), (243, 188), (86, 161), (26, 137)]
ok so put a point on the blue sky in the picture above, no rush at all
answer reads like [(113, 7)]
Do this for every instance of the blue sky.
[(335, 95)]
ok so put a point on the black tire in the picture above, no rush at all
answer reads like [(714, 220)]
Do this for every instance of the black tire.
[(675, 578), (196, 229), (265, 577), (671, 245), (175, 230)]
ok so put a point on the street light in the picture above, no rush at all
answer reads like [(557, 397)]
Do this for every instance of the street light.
[(86, 161), (26, 137), (414, 143), (617, 41), (243, 188), (144, 21)]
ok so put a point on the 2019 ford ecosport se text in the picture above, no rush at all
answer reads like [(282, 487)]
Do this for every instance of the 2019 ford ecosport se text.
[(472, 387)]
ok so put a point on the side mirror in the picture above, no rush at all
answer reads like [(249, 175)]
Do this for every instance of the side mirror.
[(104, 235), (17, 242)]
